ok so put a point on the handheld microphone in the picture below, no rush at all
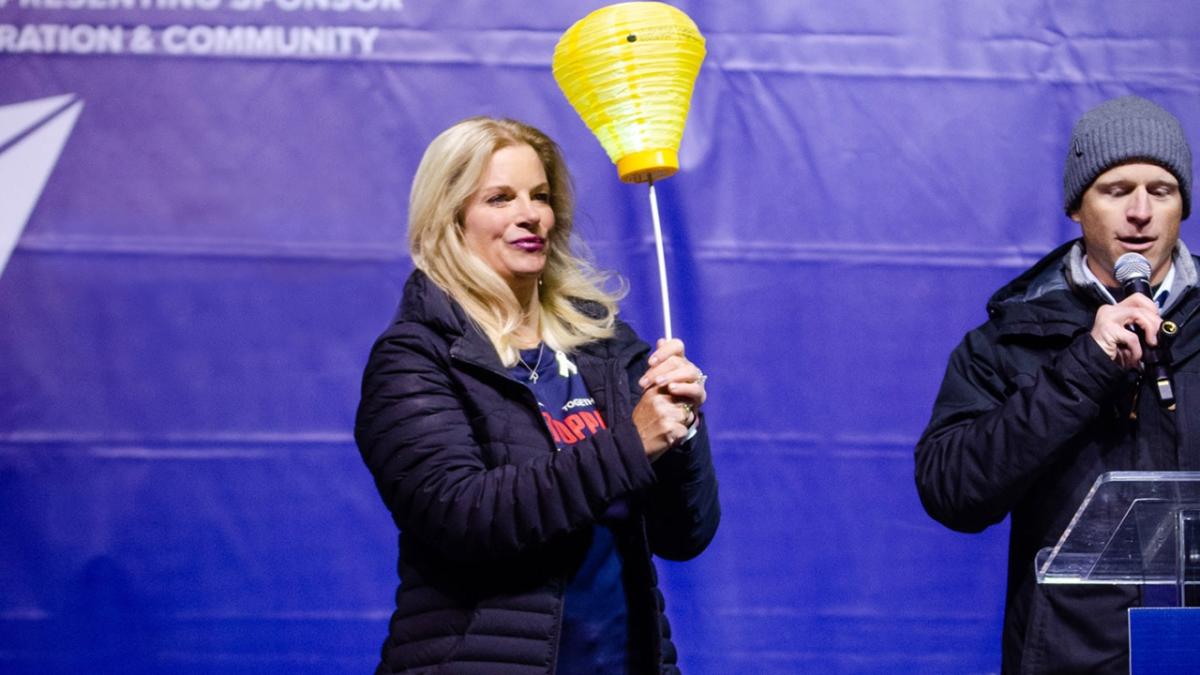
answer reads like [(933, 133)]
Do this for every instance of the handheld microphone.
[(1133, 271)]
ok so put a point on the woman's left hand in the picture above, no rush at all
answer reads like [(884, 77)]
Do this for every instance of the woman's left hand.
[(670, 372)]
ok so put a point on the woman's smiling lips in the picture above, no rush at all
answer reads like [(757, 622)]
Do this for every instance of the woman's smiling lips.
[(529, 244)]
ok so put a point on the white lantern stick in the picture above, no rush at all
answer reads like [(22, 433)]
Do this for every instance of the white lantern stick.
[(662, 262)]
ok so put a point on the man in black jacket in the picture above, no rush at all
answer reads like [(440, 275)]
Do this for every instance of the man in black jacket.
[(1049, 393)]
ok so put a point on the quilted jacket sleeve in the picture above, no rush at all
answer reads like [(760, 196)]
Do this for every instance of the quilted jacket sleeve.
[(414, 434), (684, 510), (991, 434)]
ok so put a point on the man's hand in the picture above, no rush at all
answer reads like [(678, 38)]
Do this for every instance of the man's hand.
[(1111, 329)]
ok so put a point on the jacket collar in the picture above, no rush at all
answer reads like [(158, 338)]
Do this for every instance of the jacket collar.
[(428, 304), (1041, 302), (1052, 299), (1183, 275)]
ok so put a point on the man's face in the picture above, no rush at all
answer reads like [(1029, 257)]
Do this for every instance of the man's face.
[(1133, 207)]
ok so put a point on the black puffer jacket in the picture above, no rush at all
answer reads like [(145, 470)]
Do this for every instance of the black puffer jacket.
[(492, 519), (1030, 412)]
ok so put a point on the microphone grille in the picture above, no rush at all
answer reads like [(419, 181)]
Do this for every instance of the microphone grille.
[(1131, 266)]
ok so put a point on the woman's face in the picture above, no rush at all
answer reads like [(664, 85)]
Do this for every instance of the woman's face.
[(507, 221)]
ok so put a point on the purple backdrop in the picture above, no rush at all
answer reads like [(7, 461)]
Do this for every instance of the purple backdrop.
[(207, 202)]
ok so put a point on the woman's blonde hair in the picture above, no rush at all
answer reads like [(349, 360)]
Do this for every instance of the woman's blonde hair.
[(447, 177)]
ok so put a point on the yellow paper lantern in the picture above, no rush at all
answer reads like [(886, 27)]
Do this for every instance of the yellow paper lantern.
[(628, 70)]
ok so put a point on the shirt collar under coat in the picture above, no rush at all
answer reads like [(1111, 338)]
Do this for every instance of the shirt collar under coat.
[(1054, 297), (1182, 275)]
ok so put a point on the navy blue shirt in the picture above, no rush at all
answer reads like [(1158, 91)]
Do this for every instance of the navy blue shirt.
[(595, 627)]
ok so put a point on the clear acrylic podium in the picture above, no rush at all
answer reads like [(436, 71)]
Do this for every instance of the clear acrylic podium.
[(1133, 527), (1139, 527)]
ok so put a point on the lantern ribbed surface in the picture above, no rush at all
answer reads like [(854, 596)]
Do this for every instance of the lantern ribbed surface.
[(628, 70)]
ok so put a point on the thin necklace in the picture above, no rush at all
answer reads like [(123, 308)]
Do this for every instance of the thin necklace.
[(533, 374)]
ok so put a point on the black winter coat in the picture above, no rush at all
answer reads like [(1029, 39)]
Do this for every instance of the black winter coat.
[(492, 519), (1030, 412)]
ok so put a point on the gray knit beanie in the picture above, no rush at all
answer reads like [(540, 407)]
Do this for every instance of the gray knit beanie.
[(1121, 130)]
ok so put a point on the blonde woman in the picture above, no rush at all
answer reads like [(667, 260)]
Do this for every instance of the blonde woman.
[(533, 452)]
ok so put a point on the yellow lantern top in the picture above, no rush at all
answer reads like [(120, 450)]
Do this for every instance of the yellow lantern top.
[(629, 69)]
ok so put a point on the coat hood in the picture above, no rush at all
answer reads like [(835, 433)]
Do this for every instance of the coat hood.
[(1041, 301)]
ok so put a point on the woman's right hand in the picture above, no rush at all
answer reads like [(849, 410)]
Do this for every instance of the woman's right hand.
[(672, 392)]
